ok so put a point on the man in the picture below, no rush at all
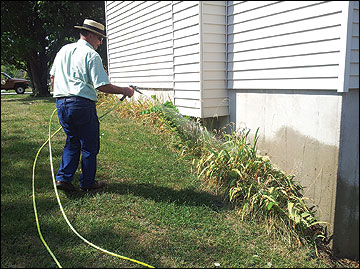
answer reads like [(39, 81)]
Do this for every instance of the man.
[(76, 74)]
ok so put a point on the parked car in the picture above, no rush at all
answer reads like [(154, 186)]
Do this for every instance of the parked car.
[(17, 84)]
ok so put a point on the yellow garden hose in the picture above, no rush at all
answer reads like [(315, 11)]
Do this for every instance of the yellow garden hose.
[(59, 202)]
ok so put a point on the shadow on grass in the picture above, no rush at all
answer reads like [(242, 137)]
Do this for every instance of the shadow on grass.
[(187, 197)]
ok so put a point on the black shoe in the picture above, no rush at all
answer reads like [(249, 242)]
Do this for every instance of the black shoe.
[(65, 186), (97, 185)]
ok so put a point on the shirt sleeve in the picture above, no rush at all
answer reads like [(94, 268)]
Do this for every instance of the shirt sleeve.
[(97, 72)]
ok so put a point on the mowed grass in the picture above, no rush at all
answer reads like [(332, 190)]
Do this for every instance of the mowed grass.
[(153, 209)]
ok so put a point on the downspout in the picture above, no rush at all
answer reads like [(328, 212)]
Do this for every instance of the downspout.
[(173, 53), (107, 41), (226, 55), (201, 48)]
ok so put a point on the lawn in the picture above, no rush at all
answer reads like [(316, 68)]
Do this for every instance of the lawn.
[(153, 209)]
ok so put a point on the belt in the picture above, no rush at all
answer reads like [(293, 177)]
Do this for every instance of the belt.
[(73, 98)]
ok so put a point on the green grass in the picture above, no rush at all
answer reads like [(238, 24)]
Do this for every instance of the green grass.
[(153, 209)]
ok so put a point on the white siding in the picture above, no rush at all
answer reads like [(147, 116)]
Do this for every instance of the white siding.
[(140, 43), (214, 93), (186, 52), (284, 45), (200, 49)]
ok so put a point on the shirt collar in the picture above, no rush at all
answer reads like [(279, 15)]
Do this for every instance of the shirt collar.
[(84, 42)]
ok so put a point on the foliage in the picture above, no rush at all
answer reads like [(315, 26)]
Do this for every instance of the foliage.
[(256, 185), (32, 32)]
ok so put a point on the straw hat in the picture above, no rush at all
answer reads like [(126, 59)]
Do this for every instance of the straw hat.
[(93, 26)]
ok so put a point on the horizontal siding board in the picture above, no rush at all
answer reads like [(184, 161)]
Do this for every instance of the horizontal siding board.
[(215, 93), (214, 56), (144, 84), (144, 73), (140, 42), (214, 75), (185, 41), (283, 62), (217, 84), (120, 67), (120, 8), (193, 112), (187, 85), (149, 25), (286, 29), (210, 8), (237, 7), (191, 11), (214, 47), (269, 10), (136, 38), (215, 38), (117, 52), (214, 66), (214, 19), (298, 49), (190, 21), (191, 103), (119, 62), (183, 6), (186, 50), (185, 94), (216, 102), (286, 40), (296, 84), (287, 73), (146, 49), (159, 78), (186, 31), (286, 18), (140, 12), (210, 112), (195, 67), (187, 59), (143, 55), (125, 14), (214, 28), (187, 77)]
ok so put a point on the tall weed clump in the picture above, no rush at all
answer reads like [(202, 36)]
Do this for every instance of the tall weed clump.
[(257, 187)]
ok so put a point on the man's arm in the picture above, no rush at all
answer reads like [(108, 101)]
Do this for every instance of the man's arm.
[(110, 88)]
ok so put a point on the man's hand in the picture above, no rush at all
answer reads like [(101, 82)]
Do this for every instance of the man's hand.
[(110, 88), (132, 91)]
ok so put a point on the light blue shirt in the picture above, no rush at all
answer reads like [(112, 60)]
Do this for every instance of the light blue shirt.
[(78, 71)]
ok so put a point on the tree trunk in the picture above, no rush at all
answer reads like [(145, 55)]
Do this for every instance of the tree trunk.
[(38, 72)]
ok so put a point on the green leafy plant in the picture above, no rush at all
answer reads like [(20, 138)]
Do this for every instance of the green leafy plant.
[(256, 186)]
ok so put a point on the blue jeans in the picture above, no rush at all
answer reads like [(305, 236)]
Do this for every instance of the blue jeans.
[(80, 123)]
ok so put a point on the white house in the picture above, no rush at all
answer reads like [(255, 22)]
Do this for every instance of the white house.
[(288, 67)]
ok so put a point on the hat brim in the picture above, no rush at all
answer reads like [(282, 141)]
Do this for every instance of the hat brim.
[(91, 30)]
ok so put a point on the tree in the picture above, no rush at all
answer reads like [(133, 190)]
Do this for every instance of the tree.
[(32, 32)]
